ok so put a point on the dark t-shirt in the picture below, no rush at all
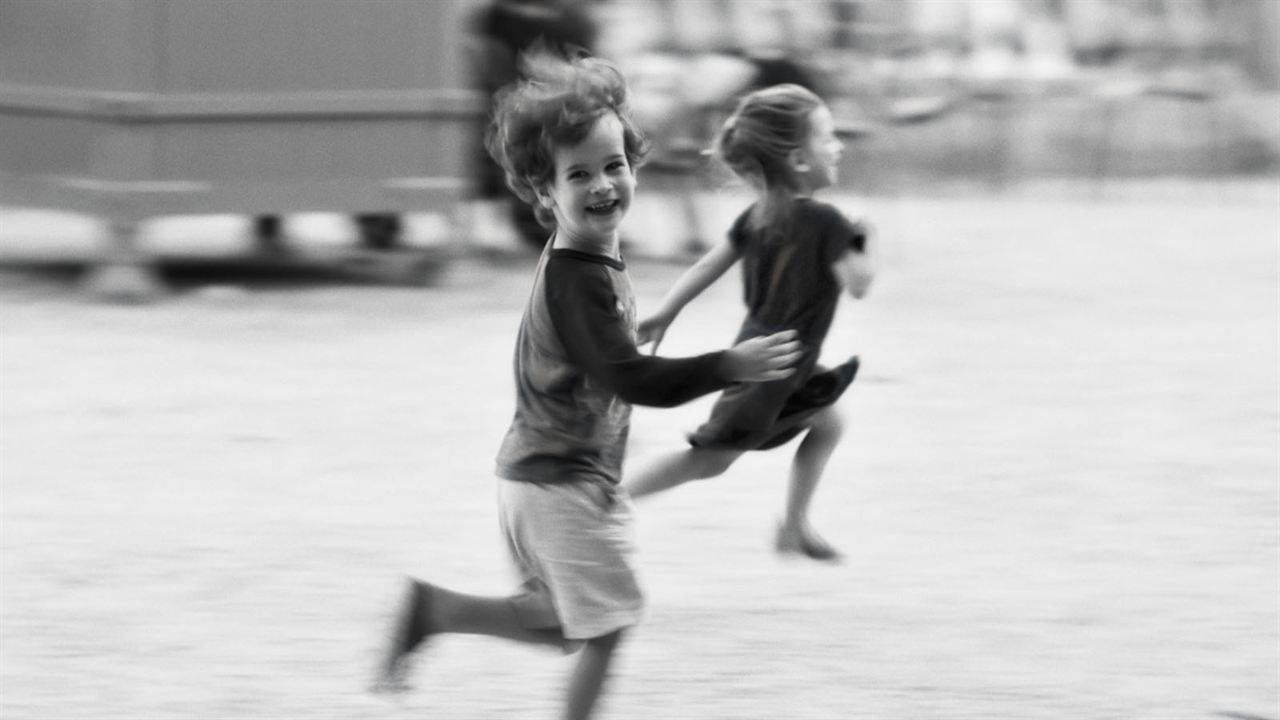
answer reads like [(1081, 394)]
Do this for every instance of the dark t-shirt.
[(788, 284)]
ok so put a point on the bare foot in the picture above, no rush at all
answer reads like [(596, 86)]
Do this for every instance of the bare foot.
[(411, 628), (803, 540)]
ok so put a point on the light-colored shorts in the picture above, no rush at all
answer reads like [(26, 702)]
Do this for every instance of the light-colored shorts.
[(572, 545)]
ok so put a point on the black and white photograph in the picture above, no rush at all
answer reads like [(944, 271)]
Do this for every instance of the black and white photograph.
[(640, 359)]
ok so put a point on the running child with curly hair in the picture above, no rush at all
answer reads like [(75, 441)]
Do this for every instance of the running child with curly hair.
[(566, 142)]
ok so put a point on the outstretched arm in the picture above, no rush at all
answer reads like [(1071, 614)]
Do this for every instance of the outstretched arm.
[(598, 339), (697, 278)]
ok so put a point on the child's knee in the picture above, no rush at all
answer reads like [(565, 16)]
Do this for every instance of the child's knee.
[(709, 464), (829, 422), (606, 642)]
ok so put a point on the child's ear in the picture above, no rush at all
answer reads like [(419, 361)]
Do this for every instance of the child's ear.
[(799, 160), (545, 199)]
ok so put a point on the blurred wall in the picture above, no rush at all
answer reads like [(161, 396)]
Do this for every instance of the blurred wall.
[(1264, 42)]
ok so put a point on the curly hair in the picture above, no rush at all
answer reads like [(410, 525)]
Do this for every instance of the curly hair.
[(556, 103), (757, 140)]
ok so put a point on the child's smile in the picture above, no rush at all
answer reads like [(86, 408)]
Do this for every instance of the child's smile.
[(592, 188), (604, 208)]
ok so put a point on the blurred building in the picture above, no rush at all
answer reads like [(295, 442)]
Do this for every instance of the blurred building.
[(996, 89)]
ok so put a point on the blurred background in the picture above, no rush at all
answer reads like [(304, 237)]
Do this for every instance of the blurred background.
[(259, 289), (125, 111)]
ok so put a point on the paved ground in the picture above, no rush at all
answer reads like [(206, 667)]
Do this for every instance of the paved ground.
[(1059, 496)]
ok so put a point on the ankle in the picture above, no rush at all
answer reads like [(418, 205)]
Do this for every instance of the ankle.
[(794, 524)]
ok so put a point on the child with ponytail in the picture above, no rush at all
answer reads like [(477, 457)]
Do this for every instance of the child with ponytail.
[(798, 255)]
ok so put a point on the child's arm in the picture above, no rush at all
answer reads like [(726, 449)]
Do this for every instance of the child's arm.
[(597, 338), (856, 267), (697, 278)]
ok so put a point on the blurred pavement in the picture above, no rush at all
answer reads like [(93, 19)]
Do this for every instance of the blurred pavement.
[(1059, 493)]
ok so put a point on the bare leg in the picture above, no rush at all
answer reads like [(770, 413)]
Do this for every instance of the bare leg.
[(678, 468), (429, 610), (795, 535), (455, 612), (589, 675)]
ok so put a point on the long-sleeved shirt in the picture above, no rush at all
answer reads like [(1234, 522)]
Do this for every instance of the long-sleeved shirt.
[(577, 373)]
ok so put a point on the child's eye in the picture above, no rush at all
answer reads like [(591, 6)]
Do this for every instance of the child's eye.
[(618, 165)]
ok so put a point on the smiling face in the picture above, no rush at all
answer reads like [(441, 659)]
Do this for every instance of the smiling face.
[(822, 152), (592, 188)]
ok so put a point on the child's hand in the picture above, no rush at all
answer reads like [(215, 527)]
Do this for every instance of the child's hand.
[(855, 270), (652, 329), (765, 358)]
